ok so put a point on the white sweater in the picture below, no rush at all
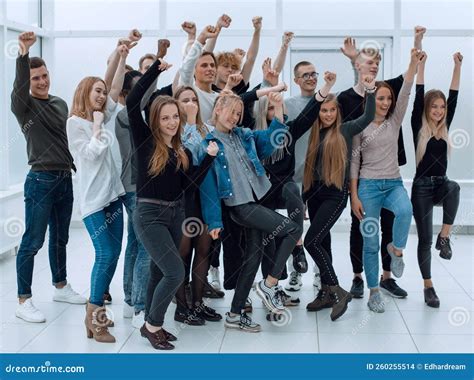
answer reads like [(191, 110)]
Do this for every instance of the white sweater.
[(186, 72), (98, 178)]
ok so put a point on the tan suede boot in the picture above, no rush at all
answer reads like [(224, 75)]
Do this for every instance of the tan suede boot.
[(96, 324)]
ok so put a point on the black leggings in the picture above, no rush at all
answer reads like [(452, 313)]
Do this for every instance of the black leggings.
[(356, 241), (325, 206), (426, 193), (260, 223), (286, 196)]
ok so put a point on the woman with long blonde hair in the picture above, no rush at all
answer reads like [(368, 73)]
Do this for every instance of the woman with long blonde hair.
[(326, 187), (430, 121), (165, 170)]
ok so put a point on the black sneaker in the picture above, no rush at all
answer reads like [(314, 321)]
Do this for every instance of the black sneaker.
[(443, 244), (207, 313), (188, 317), (242, 322), (210, 292), (299, 259), (357, 289), (390, 287), (431, 298)]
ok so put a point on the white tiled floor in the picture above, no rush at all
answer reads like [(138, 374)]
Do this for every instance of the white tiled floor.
[(406, 326)]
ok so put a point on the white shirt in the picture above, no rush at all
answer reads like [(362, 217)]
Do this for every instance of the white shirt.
[(98, 178)]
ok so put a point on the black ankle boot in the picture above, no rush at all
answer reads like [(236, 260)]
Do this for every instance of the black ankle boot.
[(443, 244), (431, 298)]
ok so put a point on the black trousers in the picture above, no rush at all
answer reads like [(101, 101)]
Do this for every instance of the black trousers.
[(426, 193)]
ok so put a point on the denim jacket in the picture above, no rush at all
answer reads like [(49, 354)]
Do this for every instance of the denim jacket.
[(217, 184), (192, 139)]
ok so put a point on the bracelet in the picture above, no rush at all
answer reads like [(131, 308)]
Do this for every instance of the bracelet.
[(321, 95), (371, 90)]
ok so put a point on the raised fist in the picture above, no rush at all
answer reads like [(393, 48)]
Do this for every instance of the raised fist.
[(189, 27), (257, 22), (163, 45)]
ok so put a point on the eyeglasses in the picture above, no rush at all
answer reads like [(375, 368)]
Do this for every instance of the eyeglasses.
[(313, 75)]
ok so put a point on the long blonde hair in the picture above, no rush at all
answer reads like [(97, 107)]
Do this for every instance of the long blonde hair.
[(429, 128), (160, 154), (81, 104), (334, 152)]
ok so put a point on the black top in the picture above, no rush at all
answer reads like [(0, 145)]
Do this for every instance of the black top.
[(241, 88), (170, 184), (352, 107), (283, 170), (42, 121), (435, 160)]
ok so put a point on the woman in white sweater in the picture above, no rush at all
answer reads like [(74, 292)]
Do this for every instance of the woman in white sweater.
[(99, 186)]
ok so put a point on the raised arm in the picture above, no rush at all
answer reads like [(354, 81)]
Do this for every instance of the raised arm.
[(117, 82), (419, 104), (404, 95), (187, 67), (281, 57), (356, 126), (21, 98), (419, 33), (350, 51), (253, 50), (112, 63), (356, 204), (222, 22), (454, 88), (190, 28)]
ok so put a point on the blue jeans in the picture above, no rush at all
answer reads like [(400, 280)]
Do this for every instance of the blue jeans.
[(376, 194), (48, 201), (136, 269), (105, 227)]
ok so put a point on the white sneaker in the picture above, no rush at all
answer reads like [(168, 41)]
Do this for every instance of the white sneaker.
[(295, 283), (67, 294), (127, 311), (214, 278), (138, 319), (29, 313)]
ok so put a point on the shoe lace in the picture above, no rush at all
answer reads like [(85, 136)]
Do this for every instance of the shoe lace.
[(293, 278), (245, 320), (279, 296)]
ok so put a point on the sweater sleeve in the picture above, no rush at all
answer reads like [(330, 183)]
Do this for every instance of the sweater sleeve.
[(451, 106), (305, 120), (140, 129), (401, 105), (21, 98), (89, 148), (187, 67), (417, 113), (356, 156), (356, 126), (196, 174)]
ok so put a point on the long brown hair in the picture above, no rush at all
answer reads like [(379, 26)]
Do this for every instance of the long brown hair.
[(199, 124), (334, 152), (430, 128), (81, 104), (160, 154)]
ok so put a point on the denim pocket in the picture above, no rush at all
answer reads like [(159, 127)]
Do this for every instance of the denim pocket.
[(43, 177)]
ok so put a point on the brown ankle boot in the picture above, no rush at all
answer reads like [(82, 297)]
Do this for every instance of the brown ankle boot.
[(104, 318), (341, 298), (322, 301), (96, 324)]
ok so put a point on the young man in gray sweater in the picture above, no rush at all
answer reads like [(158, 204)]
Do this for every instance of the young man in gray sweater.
[(48, 186)]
